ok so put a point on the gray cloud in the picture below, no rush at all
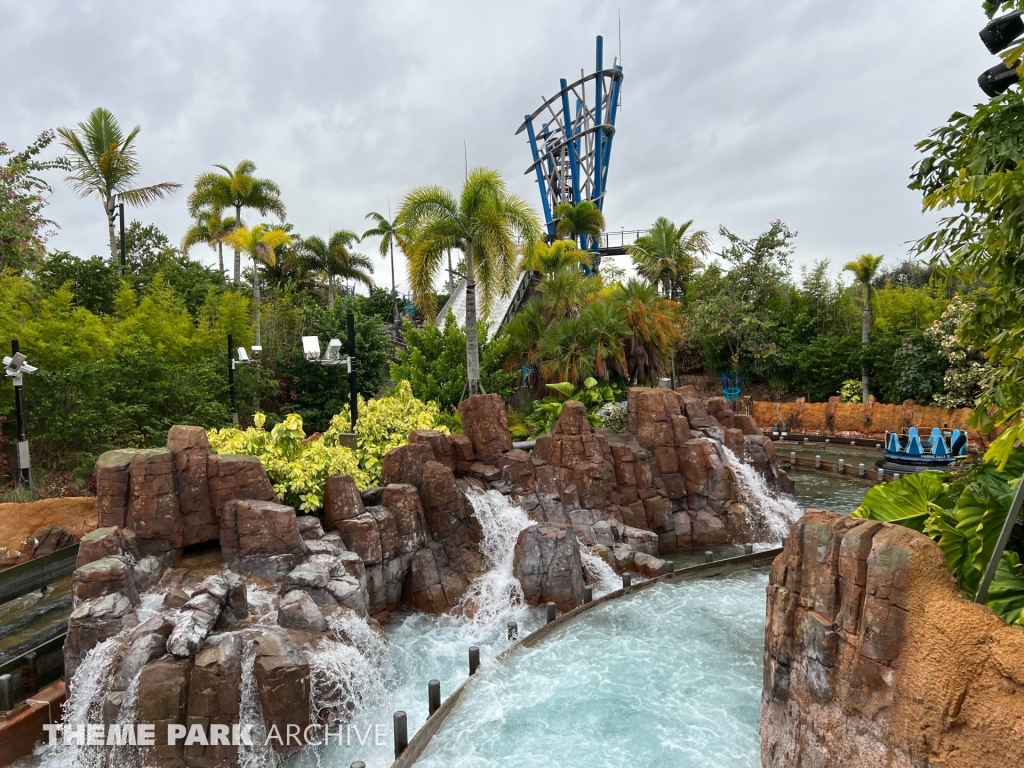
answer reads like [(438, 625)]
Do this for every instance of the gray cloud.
[(734, 113)]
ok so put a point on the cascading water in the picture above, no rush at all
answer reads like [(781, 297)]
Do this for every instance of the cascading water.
[(598, 573), (772, 514), (492, 595), (250, 712)]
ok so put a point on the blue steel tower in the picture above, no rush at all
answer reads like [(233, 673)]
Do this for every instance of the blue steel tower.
[(573, 146)]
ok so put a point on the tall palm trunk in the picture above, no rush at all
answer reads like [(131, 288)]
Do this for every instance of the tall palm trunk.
[(865, 338), (330, 291), (220, 258), (472, 347), (111, 206), (238, 253), (256, 300), (394, 293)]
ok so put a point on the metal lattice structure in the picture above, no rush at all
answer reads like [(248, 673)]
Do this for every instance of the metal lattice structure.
[(573, 145)]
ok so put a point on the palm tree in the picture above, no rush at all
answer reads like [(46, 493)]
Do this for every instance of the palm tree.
[(389, 233), (575, 221), (568, 351), (566, 291), (236, 189), (653, 329), (211, 229), (483, 223), (667, 254), (550, 257), (104, 163), (260, 243), (334, 258), (864, 268), (606, 320)]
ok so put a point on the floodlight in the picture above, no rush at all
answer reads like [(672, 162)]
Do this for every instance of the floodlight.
[(311, 347), (243, 357), (17, 365), (257, 351), (998, 79), (1000, 33), (333, 349)]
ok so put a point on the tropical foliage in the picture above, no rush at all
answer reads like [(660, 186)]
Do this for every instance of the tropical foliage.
[(297, 469), (963, 514), (23, 196), (539, 416), (668, 254)]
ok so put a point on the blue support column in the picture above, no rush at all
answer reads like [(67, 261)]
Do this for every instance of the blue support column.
[(599, 136), (613, 109), (570, 134), (540, 176)]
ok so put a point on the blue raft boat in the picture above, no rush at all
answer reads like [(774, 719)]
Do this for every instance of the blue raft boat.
[(907, 452)]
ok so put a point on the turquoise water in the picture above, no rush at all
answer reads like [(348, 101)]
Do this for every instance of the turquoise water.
[(670, 676)]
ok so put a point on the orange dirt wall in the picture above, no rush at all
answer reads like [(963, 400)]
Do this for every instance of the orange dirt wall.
[(849, 418), (19, 521)]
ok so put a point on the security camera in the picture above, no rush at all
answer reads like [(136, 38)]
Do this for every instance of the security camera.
[(243, 357), (311, 347), (257, 352), (17, 365), (334, 349)]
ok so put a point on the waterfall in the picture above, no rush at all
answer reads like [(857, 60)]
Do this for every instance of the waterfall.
[(494, 593), (597, 572), (351, 676), (250, 712), (772, 514), (84, 704)]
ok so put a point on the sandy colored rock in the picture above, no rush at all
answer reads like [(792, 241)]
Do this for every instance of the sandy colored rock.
[(18, 521), (873, 658)]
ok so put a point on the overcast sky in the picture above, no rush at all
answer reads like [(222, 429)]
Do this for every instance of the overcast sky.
[(733, 112)]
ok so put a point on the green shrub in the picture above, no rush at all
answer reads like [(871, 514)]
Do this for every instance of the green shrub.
[(850, 391), (298, 470)]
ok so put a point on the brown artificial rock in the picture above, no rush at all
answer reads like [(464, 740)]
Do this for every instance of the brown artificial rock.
[(282, 679), (462, 446), (106, 576), (405, 464), (296, 610), (213, 698), (648, 566), (153, 510), (403, 501), (163, 693), (439, 442), (872, 657), (261, 536), (734, 442), (547, 564), (191, 450), (93, 621), (237, 477), (484, 423), (362, 537), (112, 487), (46, 541), (342, 501), (104, 542)]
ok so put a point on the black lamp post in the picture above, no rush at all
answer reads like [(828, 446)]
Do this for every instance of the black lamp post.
[(15, 367)]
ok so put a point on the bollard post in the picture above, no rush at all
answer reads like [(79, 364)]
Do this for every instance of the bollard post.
[(627, 580), (513, 631), (853, 442), (792, 458), (401, 733), (748, 549), (860, 470), (6, 693), (842, 466), (807, 440), (358, 764), (474, 659), (709, 556), (30, 674), (670, 566), (895, 475), (434, 696), (552, 612), (588, 595), (878, 445), (827, 441), (817, 461)]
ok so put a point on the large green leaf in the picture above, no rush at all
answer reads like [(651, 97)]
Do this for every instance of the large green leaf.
[(1006, 594), (981, 513), (563, 387), (908, 501), (941, 527)]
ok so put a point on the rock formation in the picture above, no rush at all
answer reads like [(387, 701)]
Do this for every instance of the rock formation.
[(872, 657)]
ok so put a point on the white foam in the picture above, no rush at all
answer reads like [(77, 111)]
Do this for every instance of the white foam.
[(772, 514)]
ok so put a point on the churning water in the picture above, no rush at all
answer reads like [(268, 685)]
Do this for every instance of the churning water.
[(670, 676), (772, 514)]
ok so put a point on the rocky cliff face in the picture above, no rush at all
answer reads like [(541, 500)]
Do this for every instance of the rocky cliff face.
[(872, 658)]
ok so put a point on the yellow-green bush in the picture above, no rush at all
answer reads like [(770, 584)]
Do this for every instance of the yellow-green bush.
[(385, 423), (298, 471)]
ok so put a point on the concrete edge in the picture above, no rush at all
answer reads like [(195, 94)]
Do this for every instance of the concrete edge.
[(422, 738)]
